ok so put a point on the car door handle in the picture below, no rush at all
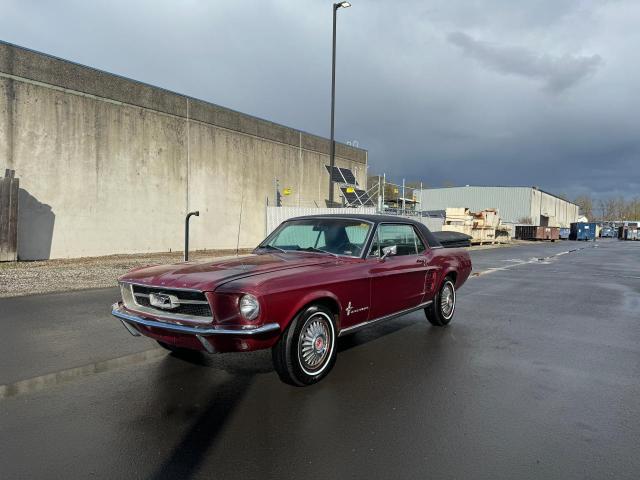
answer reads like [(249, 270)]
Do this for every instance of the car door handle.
[(423, 261)]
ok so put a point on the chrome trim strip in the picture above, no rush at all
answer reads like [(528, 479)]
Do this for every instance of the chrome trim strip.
[(206, 344), (160, 287), (130, 328), (354, 328), (119, 312)]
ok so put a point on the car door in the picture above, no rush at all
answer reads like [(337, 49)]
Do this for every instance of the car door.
[(397, 281)]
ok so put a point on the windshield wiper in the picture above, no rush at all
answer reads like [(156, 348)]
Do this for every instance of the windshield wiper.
[(273, 248), (319, 250)]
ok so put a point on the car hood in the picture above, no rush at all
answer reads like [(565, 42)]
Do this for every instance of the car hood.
[(209, 275)]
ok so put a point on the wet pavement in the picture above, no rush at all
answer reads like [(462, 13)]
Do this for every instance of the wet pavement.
[(538, 376)]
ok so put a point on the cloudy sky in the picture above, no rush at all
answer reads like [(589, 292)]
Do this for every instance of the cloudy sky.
[(491, 92)]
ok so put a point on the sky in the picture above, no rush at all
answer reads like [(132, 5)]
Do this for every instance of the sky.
[(447, 92)]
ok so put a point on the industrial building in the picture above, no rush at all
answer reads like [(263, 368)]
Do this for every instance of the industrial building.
[(111, 165), (526, 205)]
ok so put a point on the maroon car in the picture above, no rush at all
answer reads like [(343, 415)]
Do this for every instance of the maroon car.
[(312, 280)]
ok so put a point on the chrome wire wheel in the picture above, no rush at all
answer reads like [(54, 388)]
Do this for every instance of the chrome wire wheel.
[(315, 343), (447, 300)]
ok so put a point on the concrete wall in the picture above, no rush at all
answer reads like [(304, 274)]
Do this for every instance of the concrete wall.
[(513, 203), (109, 165)]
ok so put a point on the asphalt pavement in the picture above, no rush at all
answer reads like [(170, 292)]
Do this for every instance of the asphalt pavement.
[(537, 377)]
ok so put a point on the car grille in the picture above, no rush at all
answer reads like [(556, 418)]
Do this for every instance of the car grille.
[(184, 309), (189, 303)]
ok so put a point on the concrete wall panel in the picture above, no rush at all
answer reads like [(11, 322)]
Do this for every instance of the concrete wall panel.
[(112, 165)]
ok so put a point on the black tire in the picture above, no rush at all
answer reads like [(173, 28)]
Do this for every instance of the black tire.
[(441, 310), (294, 357)]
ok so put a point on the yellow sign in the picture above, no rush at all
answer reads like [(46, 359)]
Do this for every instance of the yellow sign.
[(395, 190), (350, 190), (286, 192)]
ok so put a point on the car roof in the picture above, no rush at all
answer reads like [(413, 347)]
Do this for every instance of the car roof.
[(361, 216), (377, 219)]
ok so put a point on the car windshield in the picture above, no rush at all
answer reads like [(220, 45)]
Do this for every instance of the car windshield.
[(336, 236)]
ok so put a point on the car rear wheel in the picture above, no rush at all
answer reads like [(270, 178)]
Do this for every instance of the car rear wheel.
[(441, 310), (306, 351)]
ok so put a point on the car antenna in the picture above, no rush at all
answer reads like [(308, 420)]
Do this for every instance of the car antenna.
[(244, 164), (239, 223)]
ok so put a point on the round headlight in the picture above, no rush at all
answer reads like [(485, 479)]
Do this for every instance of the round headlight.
[(249, 307)]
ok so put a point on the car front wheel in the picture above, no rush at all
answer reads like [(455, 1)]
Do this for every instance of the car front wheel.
[(306, 351), (441, 310)]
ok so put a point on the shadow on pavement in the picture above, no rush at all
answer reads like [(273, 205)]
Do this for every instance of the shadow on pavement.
[(179, 401), (208, 414)]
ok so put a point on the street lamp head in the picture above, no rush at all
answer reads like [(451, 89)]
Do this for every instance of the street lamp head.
[(341, 5)]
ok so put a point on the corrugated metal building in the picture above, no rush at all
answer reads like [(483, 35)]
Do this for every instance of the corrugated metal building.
[(515, 204)]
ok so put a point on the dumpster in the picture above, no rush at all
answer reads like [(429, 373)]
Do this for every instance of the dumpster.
[(631, 233), (564, 233), (532, 232), (628, 232), (583, 231)]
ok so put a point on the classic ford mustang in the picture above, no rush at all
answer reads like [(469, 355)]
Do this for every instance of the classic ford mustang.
[(312, 280)]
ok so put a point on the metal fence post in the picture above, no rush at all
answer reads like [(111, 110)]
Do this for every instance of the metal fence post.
[(186, 233)]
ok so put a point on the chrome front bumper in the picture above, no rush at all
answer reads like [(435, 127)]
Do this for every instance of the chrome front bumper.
[(130, 320)]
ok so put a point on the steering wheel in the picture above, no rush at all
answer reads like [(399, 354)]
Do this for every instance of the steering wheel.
[(355, 249)]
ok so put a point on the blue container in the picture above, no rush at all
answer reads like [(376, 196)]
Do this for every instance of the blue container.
[(583, 231), (564, 233)]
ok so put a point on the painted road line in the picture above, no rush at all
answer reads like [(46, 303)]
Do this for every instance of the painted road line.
[(515, 262)]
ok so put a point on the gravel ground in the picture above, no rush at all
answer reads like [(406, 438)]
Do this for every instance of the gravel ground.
[(26, 278), (29, 278)]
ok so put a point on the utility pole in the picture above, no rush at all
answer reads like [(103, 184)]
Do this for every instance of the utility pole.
[(332, 147)]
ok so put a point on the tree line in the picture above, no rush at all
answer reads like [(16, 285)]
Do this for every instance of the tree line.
[(608, 209)]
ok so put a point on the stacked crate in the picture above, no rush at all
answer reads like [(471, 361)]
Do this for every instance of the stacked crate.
[(483, 227)]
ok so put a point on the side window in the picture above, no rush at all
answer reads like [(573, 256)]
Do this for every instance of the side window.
[(404, 237)]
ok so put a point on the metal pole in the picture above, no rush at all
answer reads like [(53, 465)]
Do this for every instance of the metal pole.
[(403, 196), (332, 146), (186, 234), (384, 185), (420, 199)]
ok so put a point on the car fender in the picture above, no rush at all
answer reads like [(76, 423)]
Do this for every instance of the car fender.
[(311, 297)]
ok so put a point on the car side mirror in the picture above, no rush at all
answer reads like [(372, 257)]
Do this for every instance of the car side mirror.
[(389, 251)]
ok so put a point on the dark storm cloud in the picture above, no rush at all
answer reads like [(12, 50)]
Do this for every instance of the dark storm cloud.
[(527, 93), (559, 73)]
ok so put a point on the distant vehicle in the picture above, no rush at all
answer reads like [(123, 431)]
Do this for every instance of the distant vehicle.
[(312, 280), (608, 232)]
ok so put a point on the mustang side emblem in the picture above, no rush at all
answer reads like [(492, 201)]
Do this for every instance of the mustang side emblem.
[(351, 310), (164, 301)]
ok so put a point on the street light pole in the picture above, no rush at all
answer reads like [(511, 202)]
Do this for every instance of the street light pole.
[(332, 147)]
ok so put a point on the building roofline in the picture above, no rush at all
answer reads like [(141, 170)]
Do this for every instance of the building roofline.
[(505, 186), (171, 92)]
